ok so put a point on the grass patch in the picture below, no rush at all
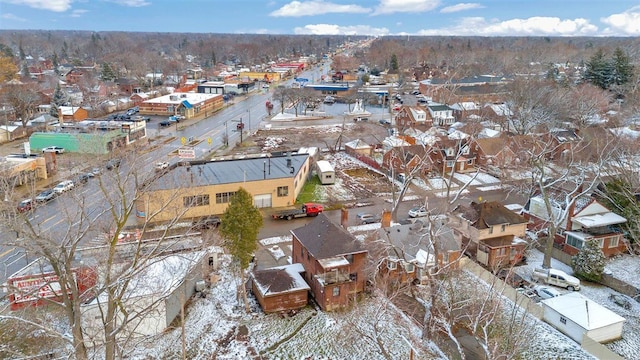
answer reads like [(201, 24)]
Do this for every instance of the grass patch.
[(308, 193)]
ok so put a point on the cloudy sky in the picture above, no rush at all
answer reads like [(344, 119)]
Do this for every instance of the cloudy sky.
[(321, 17)]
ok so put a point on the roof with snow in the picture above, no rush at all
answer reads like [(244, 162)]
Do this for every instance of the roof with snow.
[(280, 279), (488, 213), (597, 220), (584, 312)]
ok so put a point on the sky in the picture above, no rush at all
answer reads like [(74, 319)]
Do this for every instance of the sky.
[(331, 17)]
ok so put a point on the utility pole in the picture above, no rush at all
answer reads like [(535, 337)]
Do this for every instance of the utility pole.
[(226, 135)]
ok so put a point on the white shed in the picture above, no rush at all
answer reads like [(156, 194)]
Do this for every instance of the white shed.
[(576, 316), (326, 173)]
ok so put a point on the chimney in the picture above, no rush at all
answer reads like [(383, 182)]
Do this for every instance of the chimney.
[(344, 217), (386, 219)]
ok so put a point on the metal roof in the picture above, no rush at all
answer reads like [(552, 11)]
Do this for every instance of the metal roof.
[(230, 171)]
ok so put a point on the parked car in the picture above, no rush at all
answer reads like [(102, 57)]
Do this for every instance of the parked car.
[(176, 118), (546, 292), (113, 163), (369, 219), (95, 171), (81, 178), (162, 166), (64, 186), (165, 123), (385, 122), (25, 205), (53, 149), (133, 110), (557, 278), (418, 212), (45, 196), (621, 300), (208, 222)]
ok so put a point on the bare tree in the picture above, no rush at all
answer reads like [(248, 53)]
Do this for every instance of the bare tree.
[(24, 99)]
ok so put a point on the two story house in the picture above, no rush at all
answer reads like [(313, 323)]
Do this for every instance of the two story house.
[(489, 232), (333, 262), (582, 219), (413, 116), (442, 115)]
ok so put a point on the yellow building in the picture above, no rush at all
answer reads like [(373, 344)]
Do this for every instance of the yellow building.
[(200, 188)]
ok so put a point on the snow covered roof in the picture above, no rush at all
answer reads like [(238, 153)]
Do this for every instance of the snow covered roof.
[(597, 220), (357, 144), (280, 279), (586, 313)]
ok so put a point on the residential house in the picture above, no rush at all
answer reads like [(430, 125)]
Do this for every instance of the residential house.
[(333, 261), (484, 88), (358, 146), (441, 115), (409, 252), (405, 159), (578, 220), (280, 288), (490, 233), (72, 113), (562, 142), (73, 77), (413, 116), (492, 152), (466, 109), (453, 153), (497, 112)]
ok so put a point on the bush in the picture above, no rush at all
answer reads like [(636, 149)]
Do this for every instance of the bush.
[(589, 263)]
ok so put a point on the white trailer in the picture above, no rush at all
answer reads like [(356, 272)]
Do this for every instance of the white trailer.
[(326, 173)]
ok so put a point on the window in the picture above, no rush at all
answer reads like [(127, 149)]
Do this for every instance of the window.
[(391, 265), (197, 200), (283, 191), (490, 229), (349, 258), (223, 198), (336, 291), (614, 241), (450, 152), (563, 320), (450, 163), (574, 241), (503, 227), (409, 267), (470, 162), (600, 242)]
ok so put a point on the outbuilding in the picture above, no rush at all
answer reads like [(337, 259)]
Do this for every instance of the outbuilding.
[(576, 316), (280, 288), (326, 173)]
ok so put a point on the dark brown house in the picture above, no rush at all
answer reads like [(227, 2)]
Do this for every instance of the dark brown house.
[(333, 262), (280, 288)]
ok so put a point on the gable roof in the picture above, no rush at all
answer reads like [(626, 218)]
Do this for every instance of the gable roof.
[(491, 146), (581, 310), (324, 239), (489, 213)]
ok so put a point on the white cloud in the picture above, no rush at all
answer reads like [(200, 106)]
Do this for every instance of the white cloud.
[(52, 5), (11, 17), (534, 26), (412, 6), (310, 8), (131, 3), (461, 7), (626, 23), (78, 12), (329, 29)]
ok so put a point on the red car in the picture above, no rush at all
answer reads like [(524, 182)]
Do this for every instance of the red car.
[(25, 205)]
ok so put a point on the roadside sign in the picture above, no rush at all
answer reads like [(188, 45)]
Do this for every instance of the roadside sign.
[(183, 140), (209, 141), (187, 153)]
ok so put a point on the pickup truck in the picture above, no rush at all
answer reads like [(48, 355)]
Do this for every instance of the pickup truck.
[(556, 277), (308, 209)]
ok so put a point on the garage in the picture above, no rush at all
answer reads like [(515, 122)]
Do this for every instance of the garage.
[(262, 200)]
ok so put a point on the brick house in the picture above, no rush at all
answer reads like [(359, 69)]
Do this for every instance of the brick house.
[(490, 233), (405, 159), (333, 262), (562, 142), (413, 117), (492, 152), (280, 288), (451, 153), (584, 219)]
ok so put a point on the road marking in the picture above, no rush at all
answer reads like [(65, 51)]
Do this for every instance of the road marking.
[(7, 252)]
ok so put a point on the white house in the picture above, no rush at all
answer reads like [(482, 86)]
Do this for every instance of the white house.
[(577, 316)]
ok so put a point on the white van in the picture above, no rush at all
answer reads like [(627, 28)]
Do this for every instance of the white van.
[(63, 186)]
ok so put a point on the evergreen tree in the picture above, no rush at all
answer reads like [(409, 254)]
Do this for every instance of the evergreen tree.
[(240, 225), (394, 63), (589, 263), (59, 99), (622, 68), (107, 72), (599, 71)]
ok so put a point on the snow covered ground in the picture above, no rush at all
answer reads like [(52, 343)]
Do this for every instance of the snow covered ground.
[(216, 327), (627, 347)]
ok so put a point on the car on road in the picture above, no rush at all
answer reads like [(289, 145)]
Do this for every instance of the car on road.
[(162, 166), (53, 149), (208, 222), (63, 186), (418, 212), (621, 300), (95, 172), (113, 163), (165, 123), (385, 122), (369, 219), (45, 196), (25, 205), (176, 118), (81, 178), (546, 292)]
